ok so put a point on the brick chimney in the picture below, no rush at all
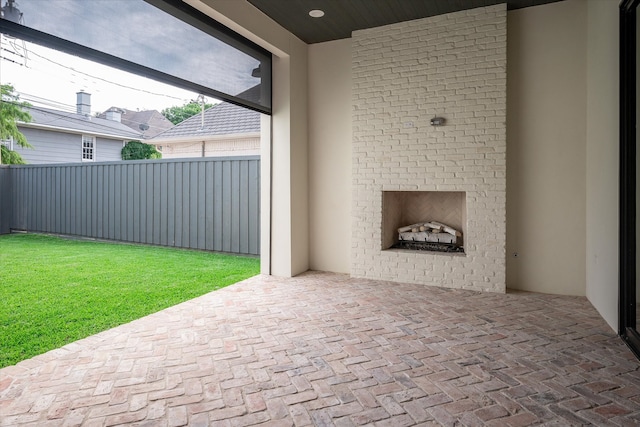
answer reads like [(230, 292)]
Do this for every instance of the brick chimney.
[(83, 103)]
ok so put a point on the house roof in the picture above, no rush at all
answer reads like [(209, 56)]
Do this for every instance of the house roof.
[(148, 122), (72, 122), (221, 119)]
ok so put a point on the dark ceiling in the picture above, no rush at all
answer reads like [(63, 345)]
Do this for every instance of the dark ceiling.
[(345, 16)]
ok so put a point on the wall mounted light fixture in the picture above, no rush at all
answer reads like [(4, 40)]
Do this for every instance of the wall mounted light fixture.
[(437, 121)]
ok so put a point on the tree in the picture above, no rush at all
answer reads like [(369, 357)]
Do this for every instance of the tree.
[(136, 150), (178, 114), (10, 157), (12, 110)]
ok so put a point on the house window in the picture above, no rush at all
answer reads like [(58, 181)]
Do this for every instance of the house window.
[(88, 148), (7, 143)]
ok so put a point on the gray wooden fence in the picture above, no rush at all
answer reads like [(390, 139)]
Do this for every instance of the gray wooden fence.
[(210, 204)]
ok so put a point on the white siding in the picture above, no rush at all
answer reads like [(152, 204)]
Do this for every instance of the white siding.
[(108, 150), (60, 147)]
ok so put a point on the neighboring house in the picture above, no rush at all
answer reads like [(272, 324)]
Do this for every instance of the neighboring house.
[(223, 130), (62, 137), (148, 122)]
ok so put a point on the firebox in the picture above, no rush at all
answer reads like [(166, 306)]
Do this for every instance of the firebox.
[(432, 221)]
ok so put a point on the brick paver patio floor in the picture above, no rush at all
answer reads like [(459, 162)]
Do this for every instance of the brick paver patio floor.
[(324, 349)]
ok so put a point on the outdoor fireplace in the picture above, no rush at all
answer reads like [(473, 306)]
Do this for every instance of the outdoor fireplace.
[(407, 171), (424, 220)]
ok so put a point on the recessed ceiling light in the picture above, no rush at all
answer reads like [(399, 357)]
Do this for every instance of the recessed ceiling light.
[(316, 13)]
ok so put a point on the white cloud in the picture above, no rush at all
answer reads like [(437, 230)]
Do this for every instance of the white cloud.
[(54, 78)]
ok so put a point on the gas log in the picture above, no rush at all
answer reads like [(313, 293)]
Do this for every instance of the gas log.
[(429, 232)]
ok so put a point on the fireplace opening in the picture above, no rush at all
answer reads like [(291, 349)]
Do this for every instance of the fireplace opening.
[(433, 221)]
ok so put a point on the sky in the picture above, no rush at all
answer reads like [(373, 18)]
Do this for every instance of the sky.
[(133, 30), (51, 79), (144, 34)]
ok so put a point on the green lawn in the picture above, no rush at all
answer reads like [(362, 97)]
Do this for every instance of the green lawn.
[(54, 291)]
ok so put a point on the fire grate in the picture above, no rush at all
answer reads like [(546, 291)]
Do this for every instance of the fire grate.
[(428, 246)]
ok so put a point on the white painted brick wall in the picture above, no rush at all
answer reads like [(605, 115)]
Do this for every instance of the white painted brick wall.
[(452, 66)]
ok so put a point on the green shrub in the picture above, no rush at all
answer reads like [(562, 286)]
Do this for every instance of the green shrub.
[(136, 150)]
